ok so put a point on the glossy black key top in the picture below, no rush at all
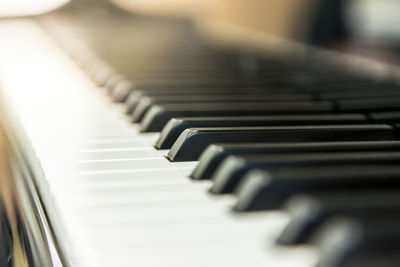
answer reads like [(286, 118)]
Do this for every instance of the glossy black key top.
[(121, 93), (176, 126), (369, 105), (385, 117), (137, 95), (388, 258), (262, 190), (360, 94), (308, 212), (232, 170), (193, 83), (351, 242), (192, 142), (158, 115), (140, 113), (146, 102), (121, 90), (212, 157)]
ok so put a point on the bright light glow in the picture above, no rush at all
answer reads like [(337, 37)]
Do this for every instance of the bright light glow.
[(174, 7), (27, 7), (375, 19)]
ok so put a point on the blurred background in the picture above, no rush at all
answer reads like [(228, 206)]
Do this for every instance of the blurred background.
[(367, 27)]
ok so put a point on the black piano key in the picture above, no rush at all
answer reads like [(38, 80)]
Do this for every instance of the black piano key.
[(232, 170), (146, 103), (102, 75), (187, 63), (350, 84), (174, 72), (212, 157), (325, 78), (136, 96), (241, 95), (359, 94), (156, 118), (192, 142), (387, 258), (369, 105), (263, 190), (308, 212), (195, 83), (121, 93), (121, 90), (226, 108), (385, 117), (219, 95), (352, 242), (176, 126), (112, 81)]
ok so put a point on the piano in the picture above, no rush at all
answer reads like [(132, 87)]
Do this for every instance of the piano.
[(139, 140)]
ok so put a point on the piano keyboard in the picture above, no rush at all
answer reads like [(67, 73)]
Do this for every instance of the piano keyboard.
[(162, 150)]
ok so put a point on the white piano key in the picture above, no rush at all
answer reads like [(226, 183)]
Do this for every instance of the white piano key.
[(141, 163), (144, 152)]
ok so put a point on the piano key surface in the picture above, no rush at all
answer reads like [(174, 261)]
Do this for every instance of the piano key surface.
[(111, 197)]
